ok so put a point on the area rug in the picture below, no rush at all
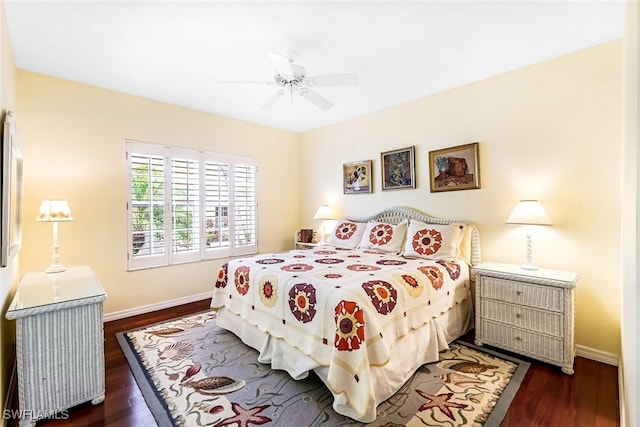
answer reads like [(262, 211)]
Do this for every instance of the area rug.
[(193, 373)]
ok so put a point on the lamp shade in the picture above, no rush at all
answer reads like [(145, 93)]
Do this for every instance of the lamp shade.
[(54, 211), (324, 212), (529, 212)]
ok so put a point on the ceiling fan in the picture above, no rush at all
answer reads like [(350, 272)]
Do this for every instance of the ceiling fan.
[(291, 78)]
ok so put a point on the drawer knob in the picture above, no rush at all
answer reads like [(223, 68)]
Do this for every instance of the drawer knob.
[(518, 315), (518, 338), (518, 293)]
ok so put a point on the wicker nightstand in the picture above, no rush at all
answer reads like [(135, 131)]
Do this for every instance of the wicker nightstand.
[(297, 244), (527, 312), (59, 342)]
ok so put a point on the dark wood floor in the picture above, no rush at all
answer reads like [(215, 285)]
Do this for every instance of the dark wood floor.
[(547, 397)]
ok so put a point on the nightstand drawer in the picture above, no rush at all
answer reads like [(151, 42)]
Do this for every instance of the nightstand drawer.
[(522, 341), (538, 296), (547, 322)]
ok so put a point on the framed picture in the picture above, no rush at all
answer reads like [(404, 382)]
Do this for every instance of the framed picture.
[(356, 177), (11, 229), (454, 168), (398, 170)]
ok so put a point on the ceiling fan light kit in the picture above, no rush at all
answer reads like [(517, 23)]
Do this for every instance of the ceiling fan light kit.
[(292, 78)]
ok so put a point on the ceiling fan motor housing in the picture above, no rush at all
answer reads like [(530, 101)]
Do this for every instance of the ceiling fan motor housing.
[(292, 78)]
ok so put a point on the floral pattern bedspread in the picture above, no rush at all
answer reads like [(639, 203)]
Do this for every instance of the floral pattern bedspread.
[(344, 308)]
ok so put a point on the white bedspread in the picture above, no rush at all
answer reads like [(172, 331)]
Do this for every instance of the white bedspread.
[(345, 309)]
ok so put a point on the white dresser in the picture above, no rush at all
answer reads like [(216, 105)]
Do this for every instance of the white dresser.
[(59, 342), (530, 312)]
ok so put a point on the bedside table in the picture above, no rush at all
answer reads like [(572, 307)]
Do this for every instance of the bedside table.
[(530, 312), (301, 245), (59, 342), (297, 244)]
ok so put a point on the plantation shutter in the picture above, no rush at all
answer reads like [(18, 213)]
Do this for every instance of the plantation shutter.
[(217, 184), (244, 194), (185, 206), (146, 207)]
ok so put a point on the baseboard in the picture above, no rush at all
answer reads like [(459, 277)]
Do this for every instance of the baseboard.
[(121, 314), (597, 355)]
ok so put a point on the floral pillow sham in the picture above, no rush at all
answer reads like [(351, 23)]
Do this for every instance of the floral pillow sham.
[(347, 234), (433, 241), (384, 237)]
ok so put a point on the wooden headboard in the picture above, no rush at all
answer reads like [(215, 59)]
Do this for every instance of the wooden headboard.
[(396, 214)]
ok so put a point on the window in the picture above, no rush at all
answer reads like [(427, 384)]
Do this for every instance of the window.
[(186, 205)]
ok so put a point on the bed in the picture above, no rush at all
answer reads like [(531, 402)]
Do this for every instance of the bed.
[(386, 286)]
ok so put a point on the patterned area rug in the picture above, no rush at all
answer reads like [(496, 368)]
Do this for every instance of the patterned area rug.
[(193, 373)]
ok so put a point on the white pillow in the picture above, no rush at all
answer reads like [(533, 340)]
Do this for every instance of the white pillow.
[(433, 241), (383, 236), (347, 234)]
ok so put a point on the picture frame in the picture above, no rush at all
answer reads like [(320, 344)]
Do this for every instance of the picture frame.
[(454, 168), (11, 227), (398, 169), (357, 177)]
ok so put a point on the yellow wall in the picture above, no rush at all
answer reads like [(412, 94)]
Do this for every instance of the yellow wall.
[(551, 132), (8, 275), (72, 138)]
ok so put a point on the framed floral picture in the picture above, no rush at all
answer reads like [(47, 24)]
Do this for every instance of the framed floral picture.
[(454, 168), (357, 177), (398, 170)]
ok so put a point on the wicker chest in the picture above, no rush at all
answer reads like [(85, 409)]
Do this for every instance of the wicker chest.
[(530, 312), (59, 342)]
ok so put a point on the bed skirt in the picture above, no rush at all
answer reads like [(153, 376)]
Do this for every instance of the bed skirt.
[(423, 345)]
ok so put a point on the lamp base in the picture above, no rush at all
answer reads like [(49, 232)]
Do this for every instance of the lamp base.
[(528, 267), (55, 268)]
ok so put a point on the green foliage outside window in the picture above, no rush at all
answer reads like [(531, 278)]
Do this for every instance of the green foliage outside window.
[(183, 224)]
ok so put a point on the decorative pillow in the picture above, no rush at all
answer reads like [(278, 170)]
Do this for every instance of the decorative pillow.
[(347, 234), (383, 236), (433, 241)]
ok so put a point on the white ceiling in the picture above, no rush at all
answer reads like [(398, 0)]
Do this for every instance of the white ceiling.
[(178, 51)]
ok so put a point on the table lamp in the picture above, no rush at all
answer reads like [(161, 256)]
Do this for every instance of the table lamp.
[(529, 213), (54, 211)]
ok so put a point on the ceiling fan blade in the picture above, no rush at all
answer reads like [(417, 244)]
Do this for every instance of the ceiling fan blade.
[(281, 64), (317, 100), (273, 99), (348, 79)]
